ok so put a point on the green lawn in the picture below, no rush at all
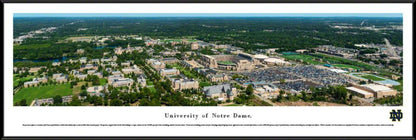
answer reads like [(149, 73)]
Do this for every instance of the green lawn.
[(399, 87), (304, 58), (42, 92), (77, 88), (346, 66), (192, 40), (103, 81), (152, 89), (148, 82), (172, 40), (204, 84), (226, 63), (16, 79), (339, 60), (372, 77), (184, 71)]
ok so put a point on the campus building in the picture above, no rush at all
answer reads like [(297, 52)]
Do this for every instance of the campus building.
[(191, 64), (35, 82), (165, 72), (181, 84), (372, 90), (239, 62), (220, 92)]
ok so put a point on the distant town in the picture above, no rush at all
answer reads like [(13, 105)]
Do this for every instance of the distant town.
[(55, 68)]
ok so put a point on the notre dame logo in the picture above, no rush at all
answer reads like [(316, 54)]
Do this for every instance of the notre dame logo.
[(396, 115)]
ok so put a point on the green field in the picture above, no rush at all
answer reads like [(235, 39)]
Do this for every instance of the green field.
[(152, 89), (226, 63), (103, 81), (16, 79), (184, 71), (192, 40), (148, 82), (204, 84), (374, 78), (304, 58), (42, 92), (399, 87), (172, 40), (339, 60), (368, 76), (77, 88), (346, 66)]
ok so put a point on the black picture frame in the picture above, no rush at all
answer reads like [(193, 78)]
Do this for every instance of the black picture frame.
[(200, 1)]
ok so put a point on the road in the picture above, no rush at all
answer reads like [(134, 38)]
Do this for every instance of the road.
[(390, 48), (266, 100)]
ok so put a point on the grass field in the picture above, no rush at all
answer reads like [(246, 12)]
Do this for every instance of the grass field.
[(339, 60), (371, 77), (184, 71), (304, 58), (77, 88), (16, 79), (103, 81), (204, 84), (226, 63), (172, 40), (152, 89), (192, 40), (346, 66), (148, 82), (399, 87), (42, 92)]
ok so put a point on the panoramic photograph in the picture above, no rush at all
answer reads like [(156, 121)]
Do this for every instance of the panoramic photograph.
[(204, 59)]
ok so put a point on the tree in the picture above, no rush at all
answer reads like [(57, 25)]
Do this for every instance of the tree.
[(75, 101), (83, 93), (57, 99), (22, 102), (116, 102), (249, 90), (304, 96), (83, 87)]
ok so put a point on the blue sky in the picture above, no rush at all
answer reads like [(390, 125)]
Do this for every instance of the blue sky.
[(207, 14)]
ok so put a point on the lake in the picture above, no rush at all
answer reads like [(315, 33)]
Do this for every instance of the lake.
[(41, 60)]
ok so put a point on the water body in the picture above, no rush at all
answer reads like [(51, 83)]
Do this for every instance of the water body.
[(41, 60)]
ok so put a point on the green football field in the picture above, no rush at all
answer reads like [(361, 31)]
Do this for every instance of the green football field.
[(374, 78), (346, 66), (42, 92)]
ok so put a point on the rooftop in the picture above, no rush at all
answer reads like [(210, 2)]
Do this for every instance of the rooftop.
[(358, 90), (377, 88), (224, 88)]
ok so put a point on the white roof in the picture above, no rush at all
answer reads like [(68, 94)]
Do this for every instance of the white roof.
[(360, 91), (260, 56), (377, 88), (274, 60), (169, 70), (261, 90), (338, 70)]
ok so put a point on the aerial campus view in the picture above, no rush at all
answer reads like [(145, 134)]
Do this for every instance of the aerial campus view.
[(192, 60)]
